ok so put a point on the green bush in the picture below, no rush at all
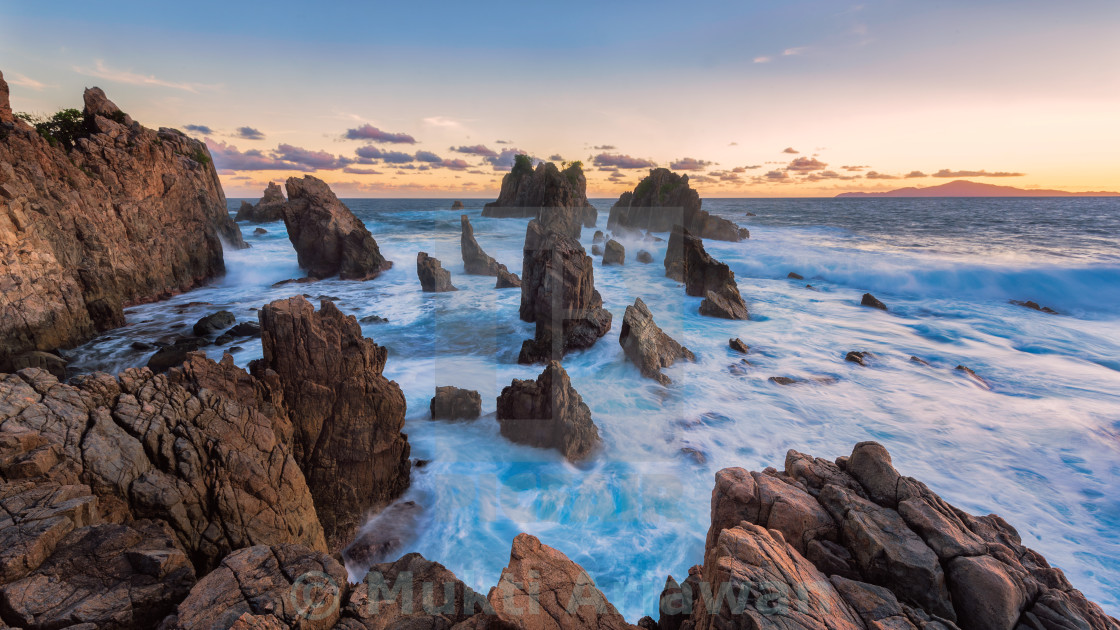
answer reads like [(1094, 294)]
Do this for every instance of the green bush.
[(200, 156), (522, 164), (63, 128), (643, 188), (572, 171)]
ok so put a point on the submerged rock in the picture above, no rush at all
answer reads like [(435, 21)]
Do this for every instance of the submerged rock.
[(873, 302), (558, 294), (457, 205), (973, 376), (795, 276), (646, 345), (596, 250), (598, 238), (1034, 306), (453, 403), (664, 199), (703, 276), (328, 238), (644, 257), (270, 208), (112, 215), (383, 536), (433, 277), (546, 193), (737, 345), (548, 413), (260, 231), (614, 253), (347, 416), (858, 357)]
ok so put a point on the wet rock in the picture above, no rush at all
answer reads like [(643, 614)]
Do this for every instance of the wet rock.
[(791, 380), (373, 319), (259, 231), (873, 302), (703, 276), (596, 250), (48, 361), (558, 295), (697, 456), (453, 403), (665, 199), (557, 198), (548, 413), (738, 345), (457, 205), (141, 345), (175, 354), (108, 576), (919, 360), (507, 280), (245, 329), (976, 378), (1035, 306), (475, 260), (646, 345), (270, 208), (741, 368), (384, 536), (795, 276), (541, 588), (644, 257), (328, 238), (857, 357), (346, 415), (421, 594), (285, 586), (614, 253), (433, 277), (598, 238), (125, 215), (213, 323)]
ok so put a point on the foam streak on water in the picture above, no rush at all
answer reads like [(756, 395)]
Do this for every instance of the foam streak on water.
[(1042, 448)]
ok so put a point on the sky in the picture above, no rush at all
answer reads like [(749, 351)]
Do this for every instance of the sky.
[(751, 98)]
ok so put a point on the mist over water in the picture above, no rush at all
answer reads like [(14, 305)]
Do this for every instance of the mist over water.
[(1042, 448)]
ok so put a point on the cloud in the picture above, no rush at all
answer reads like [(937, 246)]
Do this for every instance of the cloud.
[(605, 147), (878, 175), (228, 157), (947, 173), (455, 165), (763, 59), (309, 158), (790, 150), (504, 160), (248, 133), (732, 144), (101, 71), (702, 179), (824, 175), (428, 156), (556, 157), (360, 171), (915, 174), (805, 165), (689, 164), (621, 161), (777, 175), (21, 80), (854, 168), (478, 149), (373, 134), (442, 121), (202, 129), (371, 152), (790, 52), (503, 142)]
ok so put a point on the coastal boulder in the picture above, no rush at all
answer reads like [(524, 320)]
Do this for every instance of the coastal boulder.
[(347, 417), (703, 276), (646, 345), (475, 260), (873, 302), (507, 280), (546, 193), (614, 253), (433, 277), (664, 199), (270, 208), (644, 257), (328, 238), (412, 592), (453, 403), (213, 323), (558, 294), (457, 205), (548, 413)]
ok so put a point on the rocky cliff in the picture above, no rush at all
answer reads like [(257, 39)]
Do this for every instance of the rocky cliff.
[(329, 240), (529, 192), (664, 199), (107, 214)]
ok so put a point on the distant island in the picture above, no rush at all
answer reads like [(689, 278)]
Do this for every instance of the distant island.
[(965, 188)]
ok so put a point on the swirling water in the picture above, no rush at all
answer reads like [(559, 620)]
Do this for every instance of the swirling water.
[(1042, 448)]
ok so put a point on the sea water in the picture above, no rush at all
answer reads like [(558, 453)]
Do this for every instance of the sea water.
[(1041, 447)]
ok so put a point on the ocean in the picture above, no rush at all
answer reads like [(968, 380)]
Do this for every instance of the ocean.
[(1041, 448)]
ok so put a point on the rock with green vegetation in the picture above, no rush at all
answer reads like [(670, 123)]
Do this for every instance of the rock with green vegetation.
[(557, 197), (664, 199)]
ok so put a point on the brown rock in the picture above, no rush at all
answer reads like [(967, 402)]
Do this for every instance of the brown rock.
[(873, 302), (644, 257), (412, 592), (457, 205), (5, 102), (128, 215), (37, 517), (52, 363), (542, 589), (451, 403), (270, 207), (328, 238), (976, 378), (877, 606), (614, 253), (558, 294), (507, 280), (663, 200), (109, 576), (795, 276), (548, 413), (857, 357), (646, 345), (703, 276), (545, 191), (213, 323), (475, 260), (433, 277), (296, 586), (737, 345), (347, 416)]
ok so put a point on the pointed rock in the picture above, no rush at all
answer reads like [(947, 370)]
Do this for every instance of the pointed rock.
[(328, 238), (475, 260), (5, 102), (873, 302), (646, 345), (270, 207), (97, 104), (548, 413), (703, 276), (433, 277)]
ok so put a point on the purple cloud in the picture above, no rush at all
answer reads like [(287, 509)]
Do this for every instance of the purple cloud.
[(478, 149), (371, 152), (878, 175), (309, 158), (948, 173), (790, 150), (915, 174), (689, 164), (428, 156), (373, 134), (202, 129), (248, 133), (621, 161), (805, 165)]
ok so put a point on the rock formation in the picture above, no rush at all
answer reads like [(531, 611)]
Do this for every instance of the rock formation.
[(548, 413), (457, 205), (507, 280), (644, 257), (347, 417), (328, 238), (646, 345), (614, 253), (270, 208), (477, 262), (664, 199), (452, 403), (703, 276), (113, 215), (433, 277), (873, 302), (738, 345), (545, 191), (558, 294)]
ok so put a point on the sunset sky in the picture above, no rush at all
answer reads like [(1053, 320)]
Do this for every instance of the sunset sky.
[(755, 99)]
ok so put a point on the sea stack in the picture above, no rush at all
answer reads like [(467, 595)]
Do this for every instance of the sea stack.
[(328, 238), (270, 208), (347, 417), (664, 199), (433, 277), (476, 261), (558, 294), (548, 413), (546, 190), (111, 215), (703, 276), (646, 345)]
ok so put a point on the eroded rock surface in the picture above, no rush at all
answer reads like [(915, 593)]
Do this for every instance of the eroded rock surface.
[(548, 413), (664, 199), (475, 260), (270, 207), (646, 345), (546, 193), (614, 253), (328, 238), (433, 277), (453, 403), (703, 276)]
